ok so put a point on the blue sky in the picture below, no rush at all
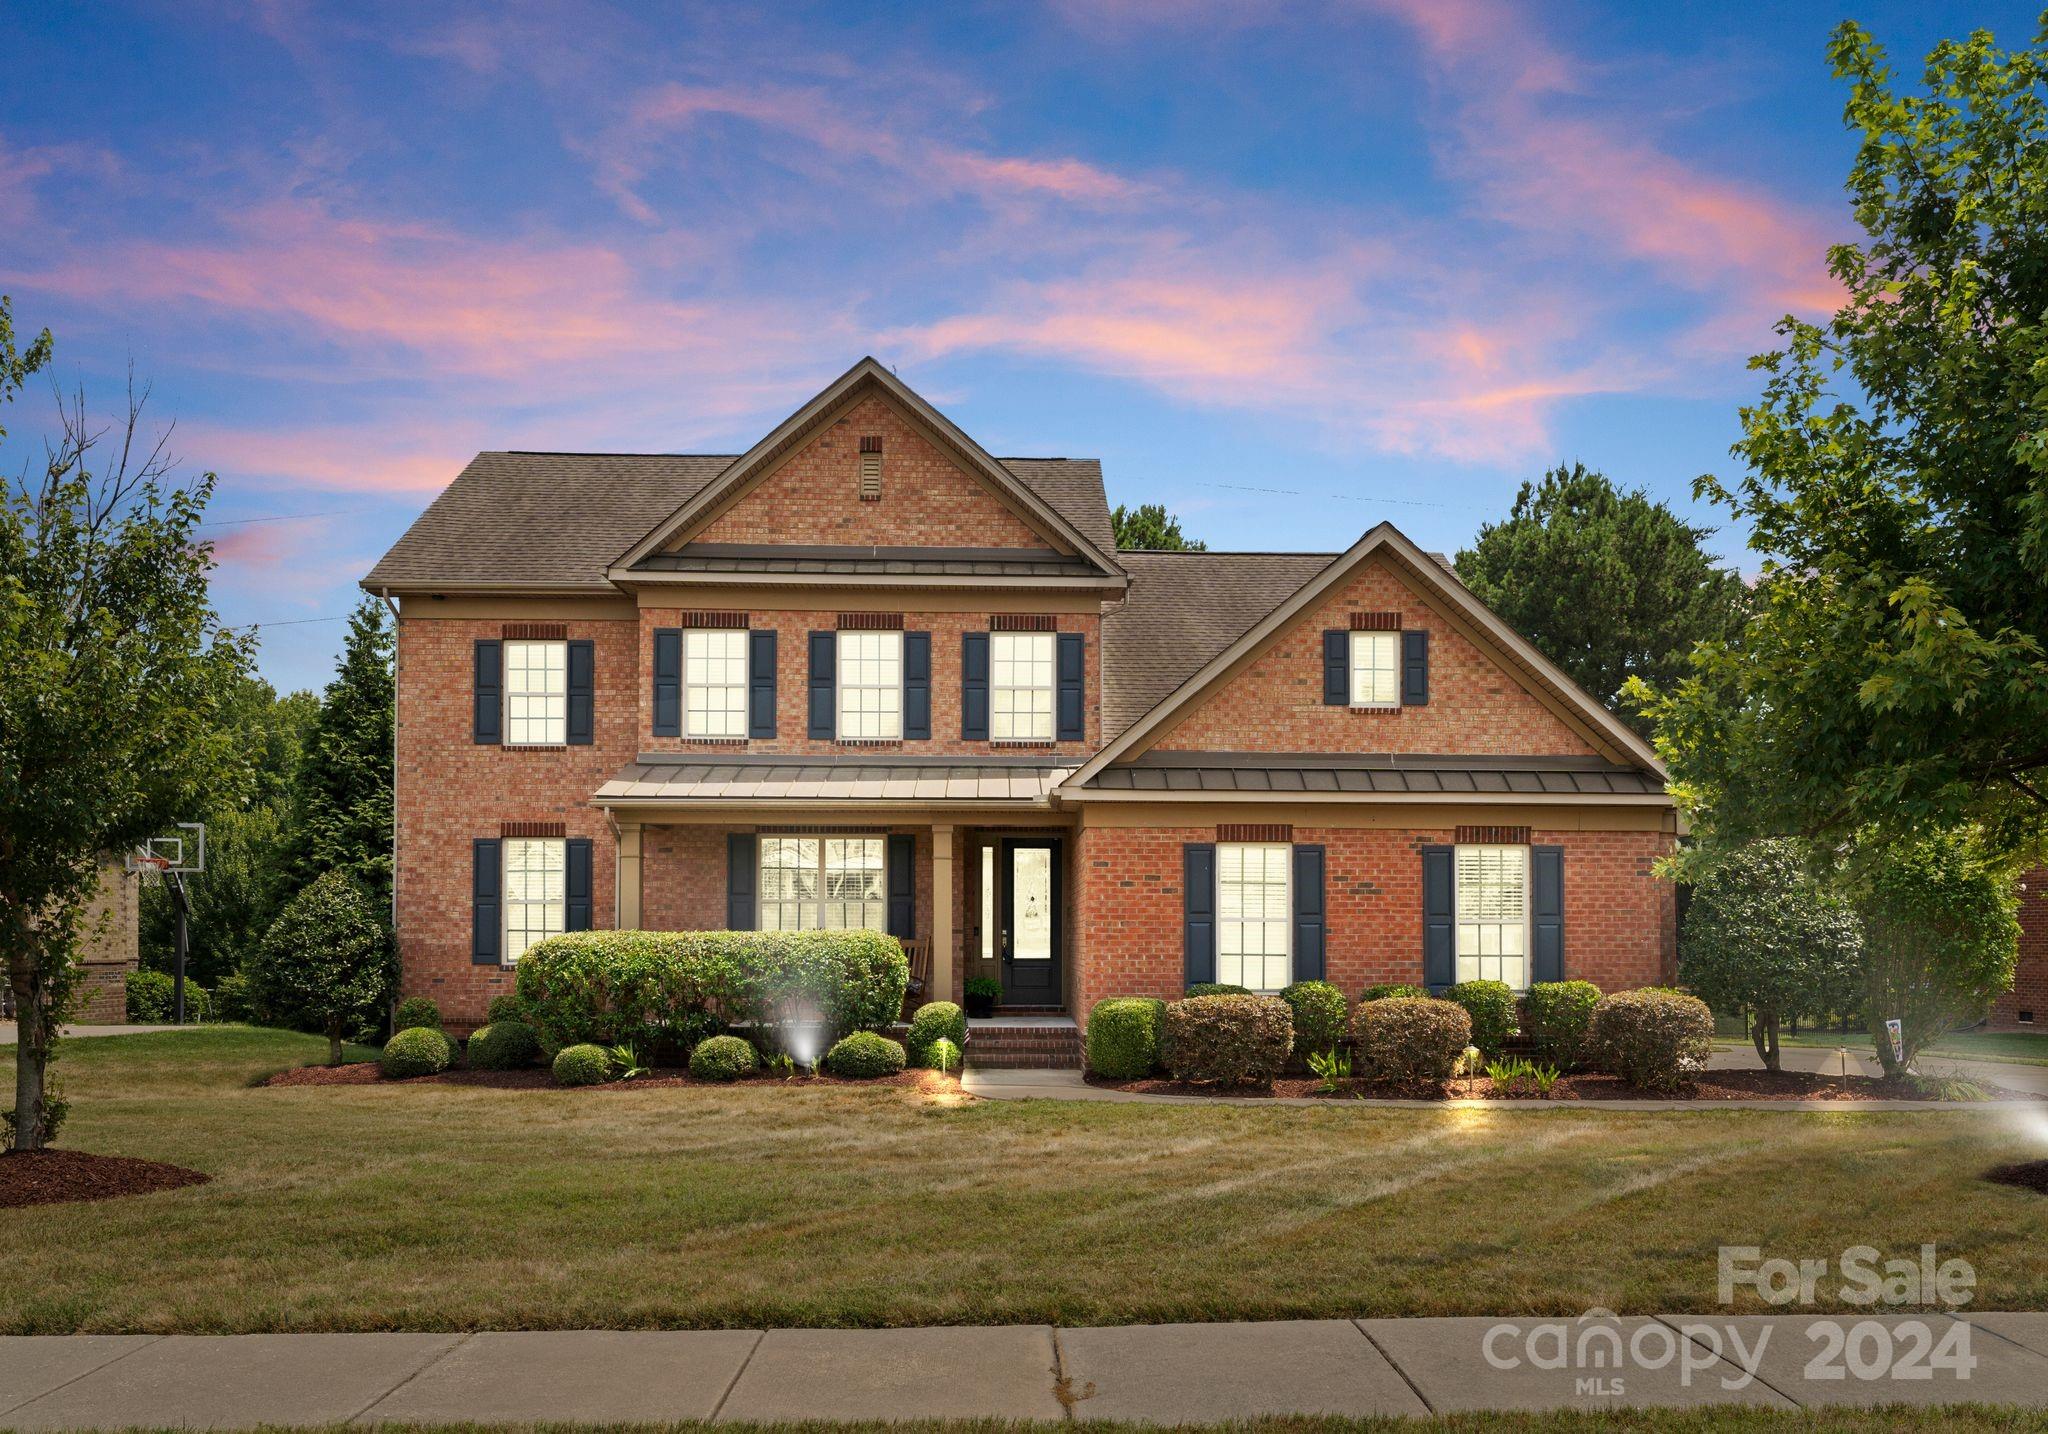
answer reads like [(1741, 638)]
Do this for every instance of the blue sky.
[(1289, 270)]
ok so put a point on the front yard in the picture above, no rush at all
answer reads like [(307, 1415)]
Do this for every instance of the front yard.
[(456, 1207)]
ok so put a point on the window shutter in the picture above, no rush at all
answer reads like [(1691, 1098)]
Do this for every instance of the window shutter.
[(486, 932), (824, 650), (1439, 917), (668, 682), (1072, 695), (902, 879), (1309, 918), (917, 687), (742, 875), (1198, 886), (761, 685), (576, 886), (1546, 912), (488, 726), (1415, 668), (582, 724), (1336, 668), (974, 687)]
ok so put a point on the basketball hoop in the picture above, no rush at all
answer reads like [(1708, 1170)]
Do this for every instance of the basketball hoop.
[(183, 853), (149, 868)]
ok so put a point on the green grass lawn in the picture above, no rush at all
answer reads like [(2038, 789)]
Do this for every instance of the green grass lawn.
[(2021, 1048), (444, 1207)]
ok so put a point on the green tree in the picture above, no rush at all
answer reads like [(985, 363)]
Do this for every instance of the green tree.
[(1150, 526), (327, 963), (342, 807), (1609, 585), (1896, 485), (1766, 936), (112, 714)]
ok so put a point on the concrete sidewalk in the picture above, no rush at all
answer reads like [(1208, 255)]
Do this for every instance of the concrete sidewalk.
[(1151, 1373)]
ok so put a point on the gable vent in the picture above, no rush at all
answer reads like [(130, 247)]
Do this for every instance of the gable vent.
[(870, 469)]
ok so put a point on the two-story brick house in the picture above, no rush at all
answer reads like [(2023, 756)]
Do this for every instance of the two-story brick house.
[(867, 674)]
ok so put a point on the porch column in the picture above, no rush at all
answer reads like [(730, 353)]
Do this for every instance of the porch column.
[(944, 987), (626, 902)]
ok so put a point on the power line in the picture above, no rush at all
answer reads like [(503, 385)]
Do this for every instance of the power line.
[(287, 622), (280, 518)]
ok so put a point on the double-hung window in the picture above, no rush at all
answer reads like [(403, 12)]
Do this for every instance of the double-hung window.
[(536, 694), (1253, 946), (1021, 686), (1375, 669), (715, 682), (536, 892), (870, 686), (1493, 914), (823, 883)]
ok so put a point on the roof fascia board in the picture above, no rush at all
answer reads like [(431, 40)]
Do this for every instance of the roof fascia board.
[(627, 578)]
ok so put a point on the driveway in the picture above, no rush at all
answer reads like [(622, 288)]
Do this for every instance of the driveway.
[(76, 1033), (1862, 1061)]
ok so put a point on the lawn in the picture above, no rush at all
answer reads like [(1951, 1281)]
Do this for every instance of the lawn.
[(2021, 1048), (445, 1207)]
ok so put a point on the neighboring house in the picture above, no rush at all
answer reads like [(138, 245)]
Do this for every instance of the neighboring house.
[(2025, 1006), (867, 675), (109, 948)]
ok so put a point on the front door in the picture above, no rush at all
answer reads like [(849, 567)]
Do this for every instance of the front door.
[(1031, 921)]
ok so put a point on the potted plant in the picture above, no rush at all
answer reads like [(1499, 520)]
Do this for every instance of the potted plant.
[(982, 994)]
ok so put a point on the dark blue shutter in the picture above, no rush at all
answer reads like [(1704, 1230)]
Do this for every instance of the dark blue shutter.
[(761, 684), (576, 886), (917, 687), (1309, 918), (1546, 912), (824, 651), (974, 687), (1415, 668), (668, 682), (485, 924), (488, 724), (1198, 885), (582, 723), (902, 878), (1439, 917), (1336, 668), (742, 875), (1073, 687)]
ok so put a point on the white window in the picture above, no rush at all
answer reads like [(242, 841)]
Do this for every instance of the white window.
[(715, 683), (1493, 914), (988, 903), (824, 883), (870, 686), (1021, 686), (536, 897), (1375, 669), (1253, 916), (536, 693)]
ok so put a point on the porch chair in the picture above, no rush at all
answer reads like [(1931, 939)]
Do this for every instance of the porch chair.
[(920, 954)]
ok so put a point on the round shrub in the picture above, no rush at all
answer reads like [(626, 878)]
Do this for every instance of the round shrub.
[(152, 999), (506, 1007), (1559, 1015), (1656, 1038), (1217, 988), (415, 1051), (582, 1065), (414, 1012), (1320, 1015), (1394, 990), (503, 1046), (722, 1058), (1230, 1040), (1123, 1036), (1410, 1040), (864, 1055), (1491, 1005), (931, 1023)]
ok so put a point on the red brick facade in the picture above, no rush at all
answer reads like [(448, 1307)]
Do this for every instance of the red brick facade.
[(2025, 1006)]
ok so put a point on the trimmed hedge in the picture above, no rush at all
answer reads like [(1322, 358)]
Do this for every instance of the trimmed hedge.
[(414, 1012), (582, 1065), (1217, 988), (1491, 1005), (151, 997), (722, 1058), (864, 1055), (1230, 1040), (503, 1046), (1656, 1038), (682, 986), (1321, 1015), (1559, 1017), (931, 1023), (1410, 1040), (415, 1051), (1393, 991), (505, 1007), (1124, 1034)]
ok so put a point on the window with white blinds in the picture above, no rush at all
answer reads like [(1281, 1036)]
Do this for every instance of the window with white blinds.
[(536, 694), (1493, 914), (870, 686), (1375, 669), (824, 883), (1253, 916), (1021, 686), (715, 683), (536, 892)]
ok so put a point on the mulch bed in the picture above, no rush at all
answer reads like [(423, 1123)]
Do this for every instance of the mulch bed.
[(366, 1073), (2027, 1175), (1711, 1086), (54, 1177)]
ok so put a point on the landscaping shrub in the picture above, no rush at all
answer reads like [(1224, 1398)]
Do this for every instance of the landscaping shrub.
[(934, 1022), (583, 1065), (1217, 988), (231, 998), (864, 1055), (151, 999), (1491, 1005), (1655, 1038), (503, 1046), (1558, 1015), (1320, 1015), (415, 1011), (1231, 1040), (506, 1007), (1124, 1033), (722, 1058), (415, 1051), (327, 963), (1411, 1040), (1394, 991)]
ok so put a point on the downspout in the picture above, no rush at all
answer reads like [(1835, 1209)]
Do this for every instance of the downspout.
[(386, 595)]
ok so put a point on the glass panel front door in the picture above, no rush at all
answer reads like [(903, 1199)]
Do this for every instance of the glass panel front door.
[(1031, 922)]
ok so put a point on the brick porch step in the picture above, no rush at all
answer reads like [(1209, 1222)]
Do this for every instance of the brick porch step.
[(1024, 1047)]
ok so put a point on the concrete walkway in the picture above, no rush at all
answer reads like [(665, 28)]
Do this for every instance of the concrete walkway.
[(80, 1033), (1163, 1374)]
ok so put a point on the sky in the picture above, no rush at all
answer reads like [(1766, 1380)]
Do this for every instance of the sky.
[(1289, 270)]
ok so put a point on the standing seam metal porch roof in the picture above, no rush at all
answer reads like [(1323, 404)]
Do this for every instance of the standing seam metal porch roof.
[(660, 778), (1370, 774)]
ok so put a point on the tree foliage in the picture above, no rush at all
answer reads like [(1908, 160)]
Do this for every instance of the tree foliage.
[(1150, 526), (1608, 584), (342, 810), (327, 963)]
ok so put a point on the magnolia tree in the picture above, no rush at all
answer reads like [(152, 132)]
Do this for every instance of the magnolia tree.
[(327, 962), (118, 677)]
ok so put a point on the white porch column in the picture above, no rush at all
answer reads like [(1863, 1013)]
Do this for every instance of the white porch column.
[(944, 986), (626, 903)]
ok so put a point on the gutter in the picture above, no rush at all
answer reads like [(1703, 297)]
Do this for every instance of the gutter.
[(386, 595)]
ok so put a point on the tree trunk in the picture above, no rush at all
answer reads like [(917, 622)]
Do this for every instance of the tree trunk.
[(333, 1043), (1763, 1031), (31, 1054)]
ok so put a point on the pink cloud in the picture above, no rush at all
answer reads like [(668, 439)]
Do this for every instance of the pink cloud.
[(368, 458)]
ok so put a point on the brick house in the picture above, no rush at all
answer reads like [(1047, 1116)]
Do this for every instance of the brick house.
[(867, 674), (2025, 1006)]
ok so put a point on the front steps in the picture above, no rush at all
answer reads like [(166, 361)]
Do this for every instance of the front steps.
[(1018, 1043)]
